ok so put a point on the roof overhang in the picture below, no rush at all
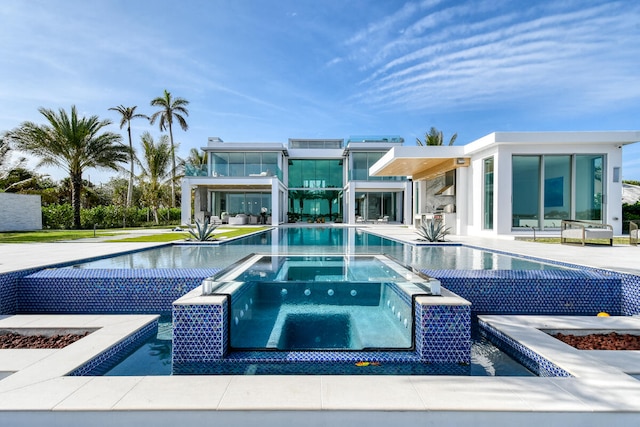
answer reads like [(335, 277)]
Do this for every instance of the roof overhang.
[(420, 163)]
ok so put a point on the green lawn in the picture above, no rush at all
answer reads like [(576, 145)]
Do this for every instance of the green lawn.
[(43, 236), (221, 232), (154, 238), (49, 235)]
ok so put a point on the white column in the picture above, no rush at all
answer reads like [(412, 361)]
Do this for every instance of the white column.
[(408, 198), (275, 201), (185, 204), (351, 218), (462, 208)]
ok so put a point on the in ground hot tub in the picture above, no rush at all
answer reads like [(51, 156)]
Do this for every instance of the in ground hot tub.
[(293, 307)]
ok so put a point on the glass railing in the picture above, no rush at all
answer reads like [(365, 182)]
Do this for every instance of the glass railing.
[(244, 171), (195, 170), (357, 175)]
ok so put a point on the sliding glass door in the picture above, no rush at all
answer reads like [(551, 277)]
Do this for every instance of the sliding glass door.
[(487, 199), (589, 189), (550, 188), (526, 191)]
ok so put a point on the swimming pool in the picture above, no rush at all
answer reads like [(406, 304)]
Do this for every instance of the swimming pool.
[(316, 240), (320, 302), (153, 357), (493, 282)]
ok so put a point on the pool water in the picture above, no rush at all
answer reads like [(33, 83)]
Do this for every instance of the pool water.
[(316, 240), (154, 358), (320, 302)]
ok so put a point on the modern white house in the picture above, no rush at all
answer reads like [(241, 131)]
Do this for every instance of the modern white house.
[(309, 180), (502, 184)]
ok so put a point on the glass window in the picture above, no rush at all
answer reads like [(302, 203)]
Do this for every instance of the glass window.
[(371, 159), (571, 187), (270, 163), (359, 171), (321, 173), (589, 187), (236, 164), (253, 164), (253, 203), (557, 190), (235, 203), (360, 164), (371, 206), (241, 202), (526, 191), (487, 200), (220, 164)]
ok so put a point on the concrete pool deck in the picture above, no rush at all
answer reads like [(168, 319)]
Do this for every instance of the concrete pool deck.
[(601, 391)]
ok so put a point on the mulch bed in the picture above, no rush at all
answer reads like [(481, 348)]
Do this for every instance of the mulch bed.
[(611, 341), (11, 340)]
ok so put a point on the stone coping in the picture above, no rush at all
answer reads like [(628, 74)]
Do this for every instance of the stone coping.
[(33, 366), (39, 384)]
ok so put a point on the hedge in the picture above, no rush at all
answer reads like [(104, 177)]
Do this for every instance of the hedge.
[(61, 217)]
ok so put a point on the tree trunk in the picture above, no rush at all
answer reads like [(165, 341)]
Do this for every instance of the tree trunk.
[(130, 187), (155, 215), (76, 190), (173, 168)]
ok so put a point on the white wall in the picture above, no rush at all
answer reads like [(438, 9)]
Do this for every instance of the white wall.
[(20, 212), (503, 192)]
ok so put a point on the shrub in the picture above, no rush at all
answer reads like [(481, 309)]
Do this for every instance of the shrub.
[(432, 231), (202, 232), (61, 217), (57, 216)]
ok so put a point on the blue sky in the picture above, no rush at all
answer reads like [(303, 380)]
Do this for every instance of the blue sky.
[(270, 70)]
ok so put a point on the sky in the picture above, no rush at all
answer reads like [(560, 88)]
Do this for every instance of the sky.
[(257, 70)]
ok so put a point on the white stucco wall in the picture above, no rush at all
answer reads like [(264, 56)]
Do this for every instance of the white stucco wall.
[(20, 212), (505, 145)]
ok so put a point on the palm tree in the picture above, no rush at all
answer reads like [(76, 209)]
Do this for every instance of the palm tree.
[(4, 153), (435, 137), (126, 115), (71, 142), (156, 158), (170, 108)]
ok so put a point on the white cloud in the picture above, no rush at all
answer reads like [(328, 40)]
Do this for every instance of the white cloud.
[(515, 54)]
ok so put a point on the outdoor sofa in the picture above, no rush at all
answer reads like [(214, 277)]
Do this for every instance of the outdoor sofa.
[(585, 230)]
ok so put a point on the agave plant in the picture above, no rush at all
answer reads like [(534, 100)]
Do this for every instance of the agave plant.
[(433, 231), (202, 232)]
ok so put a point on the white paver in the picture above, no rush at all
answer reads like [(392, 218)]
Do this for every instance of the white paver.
[(38, 393)]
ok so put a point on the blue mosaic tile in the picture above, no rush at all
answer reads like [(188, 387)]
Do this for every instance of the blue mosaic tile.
[(200, 332), (229, 366), (559, 292), (9, 290), (106, 290), (537, 364), (582, 291), (106, 360), (443, 333)]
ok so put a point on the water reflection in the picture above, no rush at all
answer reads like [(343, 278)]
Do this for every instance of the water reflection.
[(317, 240)]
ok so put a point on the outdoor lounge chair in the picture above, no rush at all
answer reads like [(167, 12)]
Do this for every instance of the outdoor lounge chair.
[(633, 233), (585, 230)]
